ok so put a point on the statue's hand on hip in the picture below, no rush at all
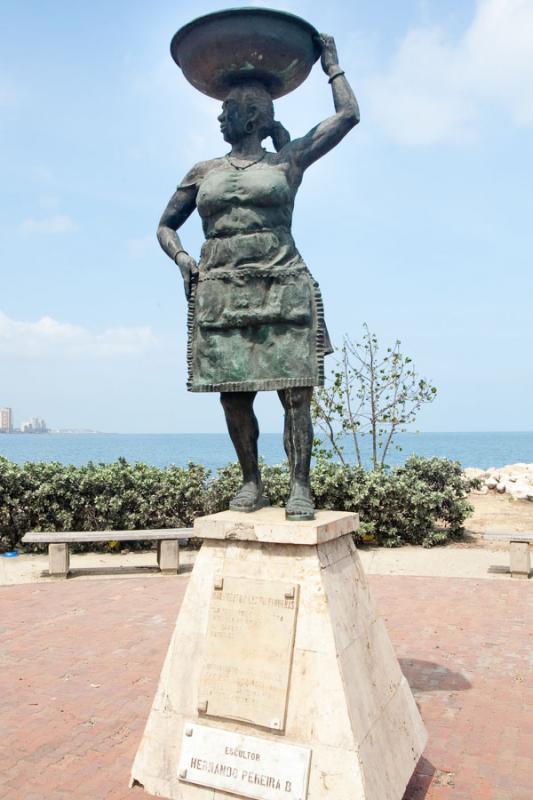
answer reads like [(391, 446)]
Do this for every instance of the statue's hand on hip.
[(189, 270)]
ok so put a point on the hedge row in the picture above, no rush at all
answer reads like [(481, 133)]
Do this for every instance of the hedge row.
[(423, 502)]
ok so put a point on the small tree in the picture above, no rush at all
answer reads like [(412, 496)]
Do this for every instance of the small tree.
[(369, 395)]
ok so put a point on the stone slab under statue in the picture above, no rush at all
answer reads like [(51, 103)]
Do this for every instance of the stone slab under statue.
[(279, 655)]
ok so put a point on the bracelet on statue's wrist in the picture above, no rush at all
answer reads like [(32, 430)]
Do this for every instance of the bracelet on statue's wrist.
[(179, 253), (336, 75)]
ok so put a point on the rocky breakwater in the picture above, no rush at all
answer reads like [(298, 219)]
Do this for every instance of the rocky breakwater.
[(516, 480)]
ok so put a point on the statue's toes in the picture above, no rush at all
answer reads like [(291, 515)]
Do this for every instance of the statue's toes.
[(248, 500), (299, 509)]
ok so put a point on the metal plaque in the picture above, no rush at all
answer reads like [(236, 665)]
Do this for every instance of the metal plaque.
[(244, 765), (248, 651)]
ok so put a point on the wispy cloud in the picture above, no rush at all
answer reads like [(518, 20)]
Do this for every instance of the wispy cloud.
[(56, 225), (48, 337), (436, 89)]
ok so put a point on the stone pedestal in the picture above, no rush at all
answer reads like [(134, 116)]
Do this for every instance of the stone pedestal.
[(280, 680)]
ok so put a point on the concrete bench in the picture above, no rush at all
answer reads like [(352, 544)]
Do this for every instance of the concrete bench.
[(58, 545), (519, 556)]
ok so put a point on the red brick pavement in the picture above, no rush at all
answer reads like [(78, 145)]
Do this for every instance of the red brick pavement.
[(80, 662)]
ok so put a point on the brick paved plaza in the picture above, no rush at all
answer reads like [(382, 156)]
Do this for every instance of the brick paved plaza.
[(80, 662)]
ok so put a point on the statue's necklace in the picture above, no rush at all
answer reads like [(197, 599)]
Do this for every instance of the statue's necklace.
[(247, 166)]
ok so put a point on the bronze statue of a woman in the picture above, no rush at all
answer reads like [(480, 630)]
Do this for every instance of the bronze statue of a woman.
[(256, 320)]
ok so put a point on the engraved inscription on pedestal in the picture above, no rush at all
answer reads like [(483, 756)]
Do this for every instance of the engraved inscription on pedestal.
[(243, 765), (248, 651)]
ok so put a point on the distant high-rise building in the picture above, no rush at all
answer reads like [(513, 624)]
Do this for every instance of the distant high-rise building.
[(6, 420), (34, 425)]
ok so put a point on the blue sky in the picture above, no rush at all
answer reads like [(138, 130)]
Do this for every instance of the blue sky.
[(419, 223)]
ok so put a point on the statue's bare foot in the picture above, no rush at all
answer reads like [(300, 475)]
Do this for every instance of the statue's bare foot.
[(249, 498), (300, 506)]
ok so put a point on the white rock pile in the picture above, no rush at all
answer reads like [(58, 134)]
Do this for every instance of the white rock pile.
[(516, 480)]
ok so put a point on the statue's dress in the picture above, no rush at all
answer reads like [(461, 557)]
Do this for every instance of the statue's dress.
[(255, 313)]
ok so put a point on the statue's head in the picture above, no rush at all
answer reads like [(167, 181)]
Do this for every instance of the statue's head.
[(247, 109)]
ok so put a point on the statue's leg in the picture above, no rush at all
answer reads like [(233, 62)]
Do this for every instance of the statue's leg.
[(298, 442), (243, 429)]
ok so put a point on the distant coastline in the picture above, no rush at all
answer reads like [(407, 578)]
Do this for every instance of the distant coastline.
[(70, 431)]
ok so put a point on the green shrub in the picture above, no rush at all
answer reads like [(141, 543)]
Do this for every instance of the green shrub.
[(449, 488), (14, 504), (118, 496), (422, 502)]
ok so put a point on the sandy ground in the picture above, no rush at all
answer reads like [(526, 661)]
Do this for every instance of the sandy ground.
[(498, 512), (456, 562), (29, 568), (471, 558)]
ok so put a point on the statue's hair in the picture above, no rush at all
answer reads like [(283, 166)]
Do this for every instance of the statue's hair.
[(256, 97)]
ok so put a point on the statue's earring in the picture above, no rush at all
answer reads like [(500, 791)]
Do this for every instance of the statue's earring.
[(249, 126)]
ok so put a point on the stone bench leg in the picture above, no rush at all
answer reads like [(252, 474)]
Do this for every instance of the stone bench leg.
[(168, 557), (520, 559), (58, 560)]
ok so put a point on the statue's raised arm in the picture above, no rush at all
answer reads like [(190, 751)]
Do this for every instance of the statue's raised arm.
[(328, 133)]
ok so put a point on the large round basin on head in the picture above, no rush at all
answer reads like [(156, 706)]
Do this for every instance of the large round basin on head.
[(222, 49)]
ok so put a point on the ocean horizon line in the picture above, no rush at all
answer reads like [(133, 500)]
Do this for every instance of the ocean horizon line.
[(88, 432)]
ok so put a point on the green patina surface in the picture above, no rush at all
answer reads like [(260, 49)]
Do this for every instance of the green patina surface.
[(255, 316), (256, 333)]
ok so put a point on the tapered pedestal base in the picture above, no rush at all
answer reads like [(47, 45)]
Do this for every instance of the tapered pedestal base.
[(284, 635)]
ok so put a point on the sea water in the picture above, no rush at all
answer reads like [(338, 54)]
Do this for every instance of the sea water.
[(214, 450)]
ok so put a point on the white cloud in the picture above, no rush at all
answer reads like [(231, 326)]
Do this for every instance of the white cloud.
[(58, 224), (48, 337), (499, 55), (437, 90)]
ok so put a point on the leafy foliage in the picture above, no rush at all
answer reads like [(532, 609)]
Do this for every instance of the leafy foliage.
[(422, 502), (369, 395), (118, 496), (14, 521)]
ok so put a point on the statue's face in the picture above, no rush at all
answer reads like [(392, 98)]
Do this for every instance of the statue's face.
[(233, 120)]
